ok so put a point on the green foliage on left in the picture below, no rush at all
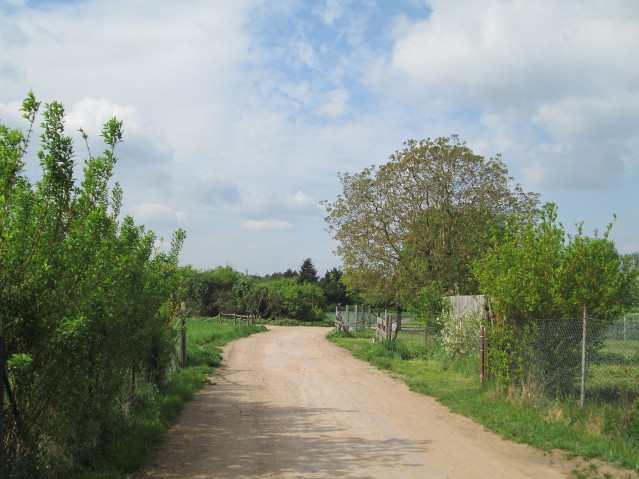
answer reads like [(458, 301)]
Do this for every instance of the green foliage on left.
[(87, 302), (129, 449)]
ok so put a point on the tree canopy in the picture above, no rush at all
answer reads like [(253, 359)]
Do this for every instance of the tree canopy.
[(534, 270), (308, 272), (421, 217)]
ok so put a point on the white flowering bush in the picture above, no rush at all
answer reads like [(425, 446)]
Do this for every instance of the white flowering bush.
[(460, 333)]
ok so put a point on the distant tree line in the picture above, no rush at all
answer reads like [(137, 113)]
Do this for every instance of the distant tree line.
[(300, 295)]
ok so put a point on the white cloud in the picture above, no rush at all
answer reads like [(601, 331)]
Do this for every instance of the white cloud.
[(607, 116), (330, 11), (156, 215), (91, 113), (211, 189), (269, 224), (574, 166), (335, 103), (493, 52), (554, 84), (11, 115)]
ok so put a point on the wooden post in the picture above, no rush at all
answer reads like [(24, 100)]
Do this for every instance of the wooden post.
[(399, 322), (582, 398), (183, 314), (356, 317), (388, 327), (348, 320), (482, 353)]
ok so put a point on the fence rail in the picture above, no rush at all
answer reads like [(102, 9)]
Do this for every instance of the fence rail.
[(239, 318), (353, 318), (361, 316)]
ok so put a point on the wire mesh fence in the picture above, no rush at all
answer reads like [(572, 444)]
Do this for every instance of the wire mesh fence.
[(554, 360)]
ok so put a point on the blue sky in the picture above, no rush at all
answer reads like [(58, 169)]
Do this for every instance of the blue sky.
[(239, 114)]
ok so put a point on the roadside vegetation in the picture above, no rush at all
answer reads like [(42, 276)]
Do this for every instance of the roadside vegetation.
[(89, 309), (131, 446)]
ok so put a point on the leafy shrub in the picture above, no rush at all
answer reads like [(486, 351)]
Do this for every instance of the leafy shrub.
[(302, 301), (459, 334), (88, 304)]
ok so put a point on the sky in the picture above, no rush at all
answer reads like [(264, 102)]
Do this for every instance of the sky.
[(239, 114)]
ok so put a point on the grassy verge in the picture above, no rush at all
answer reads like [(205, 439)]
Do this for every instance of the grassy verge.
[(129, 450), (296, 322), (453, 382)]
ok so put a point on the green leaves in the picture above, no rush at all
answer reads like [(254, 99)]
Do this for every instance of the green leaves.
[(421, 217), (536, 271), (88, 305)]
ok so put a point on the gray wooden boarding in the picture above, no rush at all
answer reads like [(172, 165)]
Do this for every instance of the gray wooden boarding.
[(386, 328)]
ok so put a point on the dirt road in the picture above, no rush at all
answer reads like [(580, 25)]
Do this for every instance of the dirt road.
[(289, 404)]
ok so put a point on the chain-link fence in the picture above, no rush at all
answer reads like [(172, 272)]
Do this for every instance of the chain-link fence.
[(555, 362)]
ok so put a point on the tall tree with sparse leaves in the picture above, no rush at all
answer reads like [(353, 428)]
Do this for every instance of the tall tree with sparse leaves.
[(419, 218)]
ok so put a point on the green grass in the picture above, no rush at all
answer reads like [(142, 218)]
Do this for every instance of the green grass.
[(453, 382), (296, 322), (130, 449)]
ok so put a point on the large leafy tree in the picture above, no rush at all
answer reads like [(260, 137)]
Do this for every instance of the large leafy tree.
[(419, 218)]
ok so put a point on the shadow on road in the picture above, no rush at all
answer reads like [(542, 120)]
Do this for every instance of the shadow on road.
[(225, 436)]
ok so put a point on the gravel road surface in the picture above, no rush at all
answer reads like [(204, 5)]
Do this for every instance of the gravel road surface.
[(289, 404)]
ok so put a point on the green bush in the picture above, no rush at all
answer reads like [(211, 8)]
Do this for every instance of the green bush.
[(301, 301), (88, 304)]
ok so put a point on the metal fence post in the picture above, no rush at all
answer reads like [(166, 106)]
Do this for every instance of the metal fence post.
[(582, 398), (183, 314), (482, 352)]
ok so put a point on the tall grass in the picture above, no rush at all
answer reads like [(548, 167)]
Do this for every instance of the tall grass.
[(156, 410)]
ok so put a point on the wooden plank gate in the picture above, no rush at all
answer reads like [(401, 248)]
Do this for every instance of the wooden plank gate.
[(386, 328)]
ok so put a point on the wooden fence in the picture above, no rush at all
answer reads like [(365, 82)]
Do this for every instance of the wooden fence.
[(352, 318), (239, 318), (461, 304), (386, 328)]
